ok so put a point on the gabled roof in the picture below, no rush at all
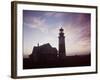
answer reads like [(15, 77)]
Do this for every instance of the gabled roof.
[(47, 45), (45, 48)]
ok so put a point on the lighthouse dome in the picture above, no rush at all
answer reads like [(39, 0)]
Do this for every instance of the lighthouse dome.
[(61, 29)]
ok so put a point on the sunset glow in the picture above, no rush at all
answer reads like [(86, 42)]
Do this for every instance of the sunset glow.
[(43, 27)]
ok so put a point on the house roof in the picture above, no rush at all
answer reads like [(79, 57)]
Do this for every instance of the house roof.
[(45, 48)]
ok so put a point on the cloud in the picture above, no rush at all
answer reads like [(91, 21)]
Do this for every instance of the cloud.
[(54, 14), (36, 23), (76, 29), (77, 38)]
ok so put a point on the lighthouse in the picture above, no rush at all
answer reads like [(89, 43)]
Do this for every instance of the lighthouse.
[(62, 50)]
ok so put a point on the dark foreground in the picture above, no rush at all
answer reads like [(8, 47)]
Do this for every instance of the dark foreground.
[(68, 61)]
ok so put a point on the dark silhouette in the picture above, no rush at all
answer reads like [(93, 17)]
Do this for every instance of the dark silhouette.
[(46, 56), (62, 50), (43, 52)]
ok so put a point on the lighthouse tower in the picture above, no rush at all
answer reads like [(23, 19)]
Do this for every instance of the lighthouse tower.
[(62, 50)]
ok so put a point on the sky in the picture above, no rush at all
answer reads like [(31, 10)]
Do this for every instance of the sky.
[(43, 27)]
